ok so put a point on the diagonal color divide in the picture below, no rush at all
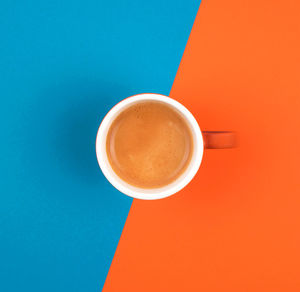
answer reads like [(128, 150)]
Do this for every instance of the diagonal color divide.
[(236, 226), (63, 65)]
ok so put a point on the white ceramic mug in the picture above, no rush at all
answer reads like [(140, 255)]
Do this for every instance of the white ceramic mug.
[(184, 178)]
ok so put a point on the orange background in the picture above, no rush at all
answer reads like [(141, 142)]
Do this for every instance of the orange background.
[(235, 227)]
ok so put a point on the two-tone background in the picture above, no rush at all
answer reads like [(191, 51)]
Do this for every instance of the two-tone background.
[(64, 64)]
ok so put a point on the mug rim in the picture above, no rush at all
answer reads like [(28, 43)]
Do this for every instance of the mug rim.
[(148, 193)]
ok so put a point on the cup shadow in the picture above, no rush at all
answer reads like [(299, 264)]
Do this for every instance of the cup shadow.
[(76, 128)]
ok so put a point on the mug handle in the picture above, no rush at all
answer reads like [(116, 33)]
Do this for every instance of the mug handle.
[(219, 139)]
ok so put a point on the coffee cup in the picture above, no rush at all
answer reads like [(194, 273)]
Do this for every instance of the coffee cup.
[(200, 140)]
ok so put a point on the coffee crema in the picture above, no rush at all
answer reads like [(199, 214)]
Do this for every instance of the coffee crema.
[(149, 144)]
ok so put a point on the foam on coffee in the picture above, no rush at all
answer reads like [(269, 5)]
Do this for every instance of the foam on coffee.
[(149, 144)]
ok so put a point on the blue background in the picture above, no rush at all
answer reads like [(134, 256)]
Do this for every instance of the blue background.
[(63, 65)]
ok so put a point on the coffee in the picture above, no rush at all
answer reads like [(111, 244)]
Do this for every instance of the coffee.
[(149, 144)]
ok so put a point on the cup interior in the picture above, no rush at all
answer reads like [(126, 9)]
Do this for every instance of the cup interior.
[(153, 193)]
